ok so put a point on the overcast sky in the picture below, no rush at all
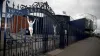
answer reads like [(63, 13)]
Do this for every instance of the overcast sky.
[(71, 7)]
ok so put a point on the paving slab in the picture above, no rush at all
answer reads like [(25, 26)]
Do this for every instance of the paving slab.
[(86, 47)]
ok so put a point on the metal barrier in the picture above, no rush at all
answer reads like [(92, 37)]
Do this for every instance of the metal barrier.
[(48, 34), (75, 34), (17, 41)]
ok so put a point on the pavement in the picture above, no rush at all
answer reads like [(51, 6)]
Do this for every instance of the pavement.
[(86, 47)]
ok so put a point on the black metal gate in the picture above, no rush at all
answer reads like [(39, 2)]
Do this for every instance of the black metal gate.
[(48, 34), (17, 41)]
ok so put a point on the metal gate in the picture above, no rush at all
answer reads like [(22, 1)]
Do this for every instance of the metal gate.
[(17, 39), (48, 32)]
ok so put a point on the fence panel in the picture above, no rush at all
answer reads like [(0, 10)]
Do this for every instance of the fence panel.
[(18, 40)]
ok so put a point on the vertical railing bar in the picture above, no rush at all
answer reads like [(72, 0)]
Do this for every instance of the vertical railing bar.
[(4, 51), (55, 35), (48, 33), (41, 20), (28, 46), (67, 33), (41, 28), (25, 35), (28, 36), (16, 32), (11, 47), (22, 34), (21, 38), (38, 30), (31, 43), (51, 35), (21, 27), (13, 32), (51, 39), (34, 34), (52, 42), (12, 22), (43, 35), (10, 34), (32, 38), (43, 46), (42, 39)]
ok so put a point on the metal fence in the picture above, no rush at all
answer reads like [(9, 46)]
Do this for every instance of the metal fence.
[(75, 34), (17, 39)]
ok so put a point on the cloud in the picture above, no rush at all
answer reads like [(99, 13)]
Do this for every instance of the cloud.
[(72, 7)]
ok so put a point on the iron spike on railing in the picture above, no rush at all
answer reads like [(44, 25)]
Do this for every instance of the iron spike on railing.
[(18, 6), (13, 5), (7, 2)]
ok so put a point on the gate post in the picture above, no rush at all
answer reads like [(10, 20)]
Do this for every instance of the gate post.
[(0, 16), (5, 30), (62, 42), (1, 3), (67, 33)]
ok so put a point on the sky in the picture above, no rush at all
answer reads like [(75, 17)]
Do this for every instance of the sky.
[(72, 8)]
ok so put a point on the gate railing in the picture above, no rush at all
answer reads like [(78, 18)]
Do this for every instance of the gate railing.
[(45, 37), (17, 41)]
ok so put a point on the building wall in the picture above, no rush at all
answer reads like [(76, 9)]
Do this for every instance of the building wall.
[(79, 24)]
